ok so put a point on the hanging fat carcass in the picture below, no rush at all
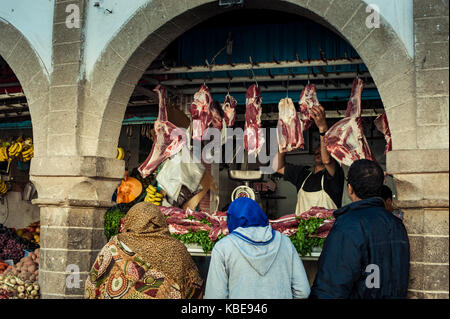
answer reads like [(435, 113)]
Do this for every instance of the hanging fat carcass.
[(200, 109), (253, 133), (345, 140), (289, 127), (229, 110), (308, 99), (381, 123), (169, 138)]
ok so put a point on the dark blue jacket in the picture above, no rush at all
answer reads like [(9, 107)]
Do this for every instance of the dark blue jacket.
[(365, 256)]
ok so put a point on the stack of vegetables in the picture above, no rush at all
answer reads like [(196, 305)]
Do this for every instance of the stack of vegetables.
[(31, 233), (27, 268), (112, 221)]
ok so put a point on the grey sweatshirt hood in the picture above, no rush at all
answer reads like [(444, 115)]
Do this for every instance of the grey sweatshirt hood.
[(260, 257)]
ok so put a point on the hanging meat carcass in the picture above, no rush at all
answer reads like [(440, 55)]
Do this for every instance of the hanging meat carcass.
[(381, 123), (253, 133), (345, 140), (308, 99), (200, 109), (289, 127), (169, 138), (229, 109)]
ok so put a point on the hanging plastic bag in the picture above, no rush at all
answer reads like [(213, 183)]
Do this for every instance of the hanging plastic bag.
[(180, 170)]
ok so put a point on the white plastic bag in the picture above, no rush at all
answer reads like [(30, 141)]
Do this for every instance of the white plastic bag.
[(180, 170)]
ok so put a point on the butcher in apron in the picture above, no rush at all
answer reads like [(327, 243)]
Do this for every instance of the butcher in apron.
[(323, 185)]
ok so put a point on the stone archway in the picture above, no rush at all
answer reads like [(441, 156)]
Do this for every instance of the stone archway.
[(33, 77), (154, 26)]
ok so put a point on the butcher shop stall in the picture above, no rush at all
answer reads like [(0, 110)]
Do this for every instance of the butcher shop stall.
[(214, 108)]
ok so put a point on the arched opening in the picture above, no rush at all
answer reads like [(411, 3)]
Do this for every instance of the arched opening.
[(323, 55), (17, 150)]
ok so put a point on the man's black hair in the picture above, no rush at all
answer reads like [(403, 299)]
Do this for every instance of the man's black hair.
[(385, 192), (366, 178)]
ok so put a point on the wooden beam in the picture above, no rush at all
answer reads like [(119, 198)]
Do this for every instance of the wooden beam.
[(279, 88), (261, 78), (249, 66)]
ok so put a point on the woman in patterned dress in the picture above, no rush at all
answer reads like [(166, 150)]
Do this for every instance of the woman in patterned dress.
[(144, 262)]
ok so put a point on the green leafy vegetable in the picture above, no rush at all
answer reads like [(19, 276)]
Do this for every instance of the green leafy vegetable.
[(112, 222), (302, 240), (199, 237)]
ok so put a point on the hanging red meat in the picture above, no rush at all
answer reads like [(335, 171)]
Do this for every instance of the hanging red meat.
[(289, 127), (229, 109), (169, 138), (345, 140), (253, 133), (200, 109), (382, 125), (217, 121), (308, 99)]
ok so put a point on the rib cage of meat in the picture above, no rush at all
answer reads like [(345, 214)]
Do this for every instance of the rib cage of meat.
[(169, 138), (308, 99), (382, 124), (200, 109), (253, 133), (345, 140), (229, 109), (289, 127)]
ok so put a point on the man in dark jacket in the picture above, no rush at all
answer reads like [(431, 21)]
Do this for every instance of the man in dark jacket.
[(366, 254)]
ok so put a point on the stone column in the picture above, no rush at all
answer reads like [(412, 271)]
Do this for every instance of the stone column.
[(422, 175), (74, 193)]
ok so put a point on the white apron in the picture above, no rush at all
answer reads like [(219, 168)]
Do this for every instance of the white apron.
[(306, 200)]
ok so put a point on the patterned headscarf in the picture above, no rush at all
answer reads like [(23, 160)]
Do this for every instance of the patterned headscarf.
[(146, 233)]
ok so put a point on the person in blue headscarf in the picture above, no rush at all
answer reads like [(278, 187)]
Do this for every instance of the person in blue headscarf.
[(254, 261)]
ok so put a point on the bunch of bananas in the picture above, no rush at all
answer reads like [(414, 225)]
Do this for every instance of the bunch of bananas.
[(28, 150), (153, 196), (120, 153), (3, 188), (4, 154), (15, 149)]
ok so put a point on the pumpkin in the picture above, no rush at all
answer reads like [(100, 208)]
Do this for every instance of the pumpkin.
[(129, 189)]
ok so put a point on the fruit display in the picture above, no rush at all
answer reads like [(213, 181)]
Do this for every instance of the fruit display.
[(21, 149), (31, 233), (153, 196), (12, 246), (120, 153)]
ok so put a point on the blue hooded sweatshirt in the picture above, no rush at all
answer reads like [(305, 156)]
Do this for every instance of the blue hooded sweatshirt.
[(254, 261)]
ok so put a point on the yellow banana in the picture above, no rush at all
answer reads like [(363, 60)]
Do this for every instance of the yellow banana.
[(19, 148), (12, 149), (159, 195), (28, 151)]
